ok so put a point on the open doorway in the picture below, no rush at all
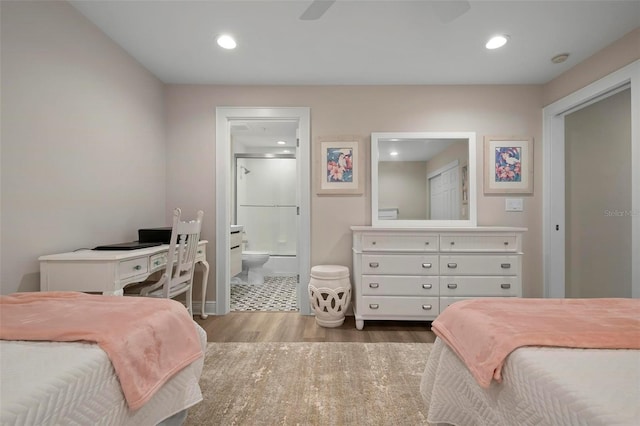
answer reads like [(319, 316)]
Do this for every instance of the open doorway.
[(554, 219), (261, 208)]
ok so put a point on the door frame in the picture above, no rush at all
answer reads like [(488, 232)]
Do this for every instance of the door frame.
[(224, 117), (554, 174)]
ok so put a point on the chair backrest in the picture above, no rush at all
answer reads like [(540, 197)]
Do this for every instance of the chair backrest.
[(183, 246)]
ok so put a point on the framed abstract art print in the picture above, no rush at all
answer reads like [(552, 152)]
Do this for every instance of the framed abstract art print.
[(340, 168), (508, 165)]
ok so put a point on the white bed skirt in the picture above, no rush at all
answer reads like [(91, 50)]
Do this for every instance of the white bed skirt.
[(59, 383), (541, 386)]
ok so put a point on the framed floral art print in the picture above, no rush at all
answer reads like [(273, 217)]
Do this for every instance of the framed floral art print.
[(508, 165), (340, 167)]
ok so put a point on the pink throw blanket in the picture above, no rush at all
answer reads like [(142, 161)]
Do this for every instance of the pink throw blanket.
[(147, 340), (483, 332)]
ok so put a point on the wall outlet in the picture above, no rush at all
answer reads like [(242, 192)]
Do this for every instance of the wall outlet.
[(513, 204)]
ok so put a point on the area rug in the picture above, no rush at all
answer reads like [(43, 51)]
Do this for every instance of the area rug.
[(312, 384)]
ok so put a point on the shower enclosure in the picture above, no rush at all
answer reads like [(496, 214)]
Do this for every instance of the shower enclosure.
[(266, 204)]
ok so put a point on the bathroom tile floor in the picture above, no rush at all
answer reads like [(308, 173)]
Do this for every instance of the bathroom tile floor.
[(276, 294)]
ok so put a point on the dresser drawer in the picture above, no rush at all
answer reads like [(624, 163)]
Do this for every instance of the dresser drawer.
[(479, 265), (133, 267), (422, 243), (480, 286), (395, 285), (400, 306), (445, 302), (407, 264), (478, 243)]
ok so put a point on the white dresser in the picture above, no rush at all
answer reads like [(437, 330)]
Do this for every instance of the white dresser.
[(414, 274)]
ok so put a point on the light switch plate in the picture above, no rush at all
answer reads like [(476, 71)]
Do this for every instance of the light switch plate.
[(513, 204)]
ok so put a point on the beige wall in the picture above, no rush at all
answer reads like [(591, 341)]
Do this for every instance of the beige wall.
[(403, 185), (83, 149), (360, 110), (84, 159), (615, 56), (598, 199)]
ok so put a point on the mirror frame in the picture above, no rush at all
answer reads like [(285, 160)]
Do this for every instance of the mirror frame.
[(377, 223)]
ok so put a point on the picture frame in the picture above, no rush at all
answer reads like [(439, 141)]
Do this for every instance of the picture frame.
[(508, 165), (340, 167)]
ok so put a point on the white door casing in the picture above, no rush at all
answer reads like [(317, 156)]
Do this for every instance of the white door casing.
[(554, 174), (224, 117)]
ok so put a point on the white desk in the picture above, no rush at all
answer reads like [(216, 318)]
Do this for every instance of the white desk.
[(109, 271)]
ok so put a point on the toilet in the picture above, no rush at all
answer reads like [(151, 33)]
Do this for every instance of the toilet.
[(252, 263)]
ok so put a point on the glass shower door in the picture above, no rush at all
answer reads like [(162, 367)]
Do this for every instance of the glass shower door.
[(266, 203)]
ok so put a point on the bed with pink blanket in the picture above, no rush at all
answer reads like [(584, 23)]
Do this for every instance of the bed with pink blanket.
[(73, 358), (535, 362)]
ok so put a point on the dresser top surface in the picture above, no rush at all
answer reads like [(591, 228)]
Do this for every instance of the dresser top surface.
[(441, 229)]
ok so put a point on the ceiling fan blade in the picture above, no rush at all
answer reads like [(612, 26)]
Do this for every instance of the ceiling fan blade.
[(316, 9), (447, 11)]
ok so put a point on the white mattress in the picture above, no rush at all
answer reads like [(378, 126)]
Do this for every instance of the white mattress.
[(56, 383), (541, 386)]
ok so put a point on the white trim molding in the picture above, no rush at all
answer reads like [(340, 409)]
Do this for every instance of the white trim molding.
[(553, 174)]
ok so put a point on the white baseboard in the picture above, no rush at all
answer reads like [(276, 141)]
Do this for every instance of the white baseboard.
[(209, 307)]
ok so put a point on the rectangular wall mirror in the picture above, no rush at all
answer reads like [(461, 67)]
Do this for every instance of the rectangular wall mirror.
[(423, 179)]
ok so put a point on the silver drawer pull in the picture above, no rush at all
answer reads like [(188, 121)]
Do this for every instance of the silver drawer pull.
[(453, 243), (373, 264), (373, 243), (373, 306), (427, 286), (374, 285), (506, 243), (157, 262), (452, 265), (137, 267), (505, 265), (426, 265), (453, 285), (505, 286), (427, 307), (426, 243)]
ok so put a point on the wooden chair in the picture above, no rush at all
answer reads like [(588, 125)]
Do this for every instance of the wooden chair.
[(178, 275)]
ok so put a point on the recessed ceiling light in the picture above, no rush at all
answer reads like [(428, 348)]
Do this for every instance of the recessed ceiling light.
[(558, 59), (393, 153), (226, 41), (281, 143), (497, 41), (286, 151)]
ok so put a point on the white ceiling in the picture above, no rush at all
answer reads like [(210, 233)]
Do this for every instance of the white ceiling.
[(359, 42)]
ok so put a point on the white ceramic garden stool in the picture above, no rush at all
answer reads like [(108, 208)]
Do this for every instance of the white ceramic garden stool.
[(329, 294)]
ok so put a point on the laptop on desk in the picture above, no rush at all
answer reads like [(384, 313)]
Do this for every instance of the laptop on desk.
[(131, 245)]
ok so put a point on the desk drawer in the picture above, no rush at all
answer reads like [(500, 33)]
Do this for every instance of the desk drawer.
[(133, 267), (394, 285), (400, 306), (426, 243), (479, 265), (405, 264), (157, 261)]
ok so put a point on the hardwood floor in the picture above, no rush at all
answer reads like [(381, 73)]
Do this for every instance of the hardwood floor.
[(293, 327)]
